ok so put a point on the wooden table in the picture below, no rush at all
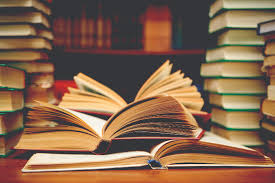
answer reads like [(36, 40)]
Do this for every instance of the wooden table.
[(10, 172)]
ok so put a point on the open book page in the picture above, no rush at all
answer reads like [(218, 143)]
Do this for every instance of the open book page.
[(64, 162), (212, 138), (162, 72), (88, 84), (94, 122)]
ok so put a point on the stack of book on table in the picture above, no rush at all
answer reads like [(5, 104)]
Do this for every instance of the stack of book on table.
[(25, 72), (267, 31), (233, 77), (26, 43)]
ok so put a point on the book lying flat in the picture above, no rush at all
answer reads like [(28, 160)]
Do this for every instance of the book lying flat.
[(235, 86), (246, 137), (24, 29), (93, 96), (11, 77), (235, 54), (11, 99), (239, 19), (236, 37), (26, 4), (232, 69), (10, 122), (222, 5), (24, 43), (211, 150), (23, 55), (236, 119), (161, 117)]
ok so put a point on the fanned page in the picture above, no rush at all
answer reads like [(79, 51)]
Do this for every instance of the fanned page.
[(42, 162), (95, 123), (88, 84), (211, 150)]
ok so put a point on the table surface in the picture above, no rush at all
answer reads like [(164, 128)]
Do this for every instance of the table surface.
[(10, 171)]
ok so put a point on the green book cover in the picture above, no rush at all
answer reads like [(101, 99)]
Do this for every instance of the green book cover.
[(228, 109), (233, 129)]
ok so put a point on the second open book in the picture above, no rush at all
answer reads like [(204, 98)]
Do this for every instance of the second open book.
[(92, 96), (211, 150)]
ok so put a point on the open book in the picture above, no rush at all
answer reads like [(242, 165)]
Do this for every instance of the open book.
[(211, 150), (92, 96), (160, 117)]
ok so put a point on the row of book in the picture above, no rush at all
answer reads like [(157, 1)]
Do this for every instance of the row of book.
[(101, 24), (232, 73), (267, 31), (26, 74)]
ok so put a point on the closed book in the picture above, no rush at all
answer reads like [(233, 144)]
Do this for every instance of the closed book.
[(219, 6), (236, 119), (8, 141), (24, 43), (11, 77), (235, 86), (246, 137), (239, 19), (235, 54), (11, 99), (236, 102), (231, 69), (23, 55), (11, 121), (25, 30)]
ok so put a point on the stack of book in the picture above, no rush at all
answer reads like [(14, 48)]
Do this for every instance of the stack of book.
[(26, 73), (12, 84), (267, 31), (26, 43), (232, 70)]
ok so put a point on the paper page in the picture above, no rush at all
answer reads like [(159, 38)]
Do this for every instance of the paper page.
[(212, 138), (94, 122), (48, 159)]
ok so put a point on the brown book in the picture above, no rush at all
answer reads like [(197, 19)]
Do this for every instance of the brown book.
[(93, 96), (162, 117), (210, 151)]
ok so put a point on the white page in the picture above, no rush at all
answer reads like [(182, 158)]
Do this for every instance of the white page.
[(94, 122)]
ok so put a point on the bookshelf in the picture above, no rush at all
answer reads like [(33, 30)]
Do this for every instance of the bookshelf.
[(115, 64)]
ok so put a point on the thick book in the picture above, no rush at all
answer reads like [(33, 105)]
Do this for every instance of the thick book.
[(235, 86), (11, 77), (93, 96), (37, 18), (8, 141), (246, 137), (236, 101), (236, 37), (33, 67), (271, 92), (233, 119), (231, 69), (211, 150), (219, 6), (239, 19), (11, 99), (24, 43), (23, 55), (38, 5), (161, 117), (24, 30), (234, 54), (11, 121)]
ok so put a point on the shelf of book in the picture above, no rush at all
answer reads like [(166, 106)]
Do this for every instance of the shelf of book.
[(135, 51)]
